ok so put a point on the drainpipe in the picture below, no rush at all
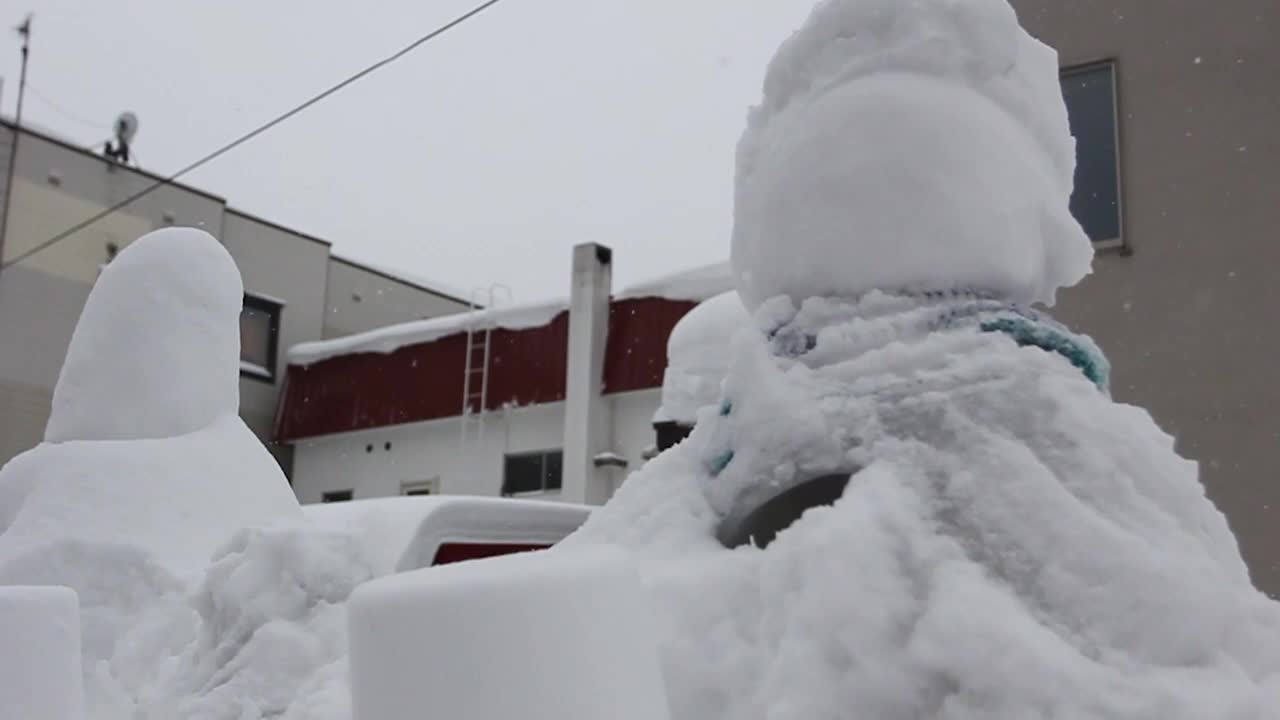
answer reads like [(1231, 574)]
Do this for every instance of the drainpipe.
[(588, 425)]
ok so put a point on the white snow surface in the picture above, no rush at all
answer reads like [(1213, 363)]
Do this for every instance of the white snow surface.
[(698, 355), (40, 654), (908, 145), (157, 350), (177, 499), (393, 337), (1013, 544), (699, 283), (542, 636)]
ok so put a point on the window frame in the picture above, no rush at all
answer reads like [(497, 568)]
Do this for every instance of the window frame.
[(415, 488), (337, 496), (273, 309), (543, 455), (1111, 65)]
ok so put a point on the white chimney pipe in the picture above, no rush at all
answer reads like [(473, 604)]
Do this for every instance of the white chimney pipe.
[(588, 425)]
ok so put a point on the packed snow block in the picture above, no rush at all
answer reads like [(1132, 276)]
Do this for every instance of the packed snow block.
[(40, 654), (555, 635)]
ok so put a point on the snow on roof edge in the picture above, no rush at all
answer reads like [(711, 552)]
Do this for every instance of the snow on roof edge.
[(393, 337), (695, 284)]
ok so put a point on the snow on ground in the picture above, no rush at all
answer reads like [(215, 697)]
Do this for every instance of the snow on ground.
[(856, 170), (698, 357)]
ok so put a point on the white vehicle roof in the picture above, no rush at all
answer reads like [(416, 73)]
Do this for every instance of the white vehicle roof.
[(404, 533)]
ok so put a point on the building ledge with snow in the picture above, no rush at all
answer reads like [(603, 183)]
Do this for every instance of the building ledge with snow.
[(519, 400)]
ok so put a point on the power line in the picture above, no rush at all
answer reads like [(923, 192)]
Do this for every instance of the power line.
[(255, 132), (66, 113)]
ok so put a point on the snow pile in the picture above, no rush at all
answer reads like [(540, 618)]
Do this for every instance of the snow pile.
[(545, 627), (1015, 544), (857, 170), (698, 357), (270, 615), (393, 337), (40, 654)]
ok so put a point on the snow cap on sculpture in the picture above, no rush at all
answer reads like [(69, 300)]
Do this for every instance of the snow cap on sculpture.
[(909, 146), (156, 351)]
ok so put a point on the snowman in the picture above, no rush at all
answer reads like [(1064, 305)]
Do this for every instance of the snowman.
[(915, 497)]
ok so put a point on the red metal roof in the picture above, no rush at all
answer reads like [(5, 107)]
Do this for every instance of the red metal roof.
[(424, 381)]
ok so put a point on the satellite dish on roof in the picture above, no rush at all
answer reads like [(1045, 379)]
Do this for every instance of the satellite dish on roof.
[(126, 127)]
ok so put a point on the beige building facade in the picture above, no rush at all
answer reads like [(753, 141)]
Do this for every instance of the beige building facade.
[(296, 290), (1186, 300)]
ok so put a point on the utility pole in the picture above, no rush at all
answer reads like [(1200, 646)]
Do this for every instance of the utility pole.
[(24, 30)]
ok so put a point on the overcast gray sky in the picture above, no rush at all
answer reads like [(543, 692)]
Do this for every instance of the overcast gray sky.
[(482, 157)]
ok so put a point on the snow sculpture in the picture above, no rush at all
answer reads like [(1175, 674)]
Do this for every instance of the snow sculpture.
[(144, 448), (156, 353), (1010, 543)]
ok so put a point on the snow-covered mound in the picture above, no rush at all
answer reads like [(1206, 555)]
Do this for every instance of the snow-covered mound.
[(917, 145), (1012, 544), (698, 357)]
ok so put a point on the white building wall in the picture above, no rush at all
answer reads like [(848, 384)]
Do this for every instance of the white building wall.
[(361, 298), (432, 451)]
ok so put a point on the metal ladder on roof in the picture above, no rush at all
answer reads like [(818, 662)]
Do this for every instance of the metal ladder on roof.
[(479, 351)]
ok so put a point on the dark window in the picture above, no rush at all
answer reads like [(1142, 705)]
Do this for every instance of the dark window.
[(259, 337), (336, 496), (1090, 92), (532, 472)]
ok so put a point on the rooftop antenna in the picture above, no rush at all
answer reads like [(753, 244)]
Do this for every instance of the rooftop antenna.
[(125, 128), (24, 31)]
